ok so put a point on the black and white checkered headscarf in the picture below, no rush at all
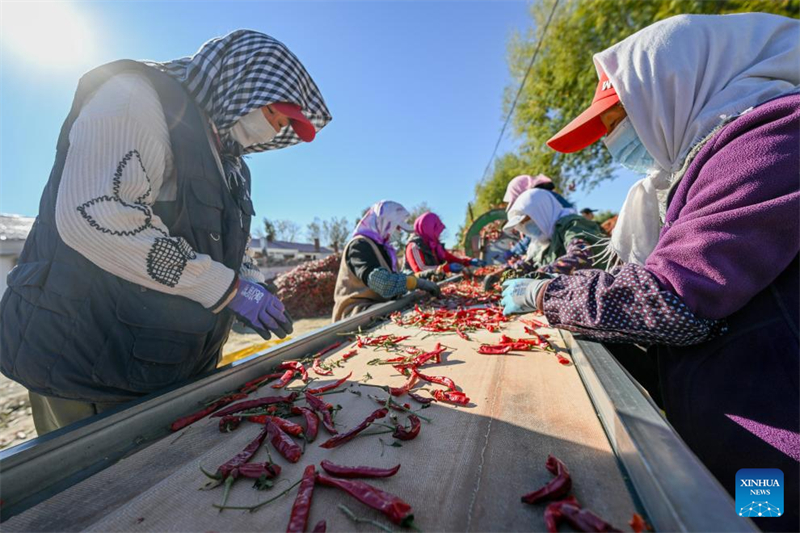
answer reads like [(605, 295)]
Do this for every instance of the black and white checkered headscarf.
[(245, 70)]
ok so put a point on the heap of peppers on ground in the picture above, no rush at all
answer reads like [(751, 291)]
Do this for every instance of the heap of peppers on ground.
[(464, 308)]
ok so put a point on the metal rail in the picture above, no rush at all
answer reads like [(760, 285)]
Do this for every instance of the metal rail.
[(677, 492), (45, 466)]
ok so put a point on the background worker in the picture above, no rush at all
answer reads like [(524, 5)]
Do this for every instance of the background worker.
[(587, 213), (425, 252), (135, 268), (369, 273), (708, 108)]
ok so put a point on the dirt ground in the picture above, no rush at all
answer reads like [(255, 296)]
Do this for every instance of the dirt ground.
[(16, 422)]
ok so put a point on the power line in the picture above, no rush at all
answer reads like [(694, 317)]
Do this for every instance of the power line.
[(521, 86)]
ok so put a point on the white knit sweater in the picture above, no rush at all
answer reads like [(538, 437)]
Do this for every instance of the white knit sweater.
[(119, 163)]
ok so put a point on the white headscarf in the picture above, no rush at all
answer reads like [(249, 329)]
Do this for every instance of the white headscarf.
[(542, 207), (680, 78)]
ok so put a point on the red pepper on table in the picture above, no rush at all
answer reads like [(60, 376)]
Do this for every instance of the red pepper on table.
[(318, 370), (230, 468), (580, 519), (494, 349), (534, 323), (332, 386), (451, 396), (420, 399), (462, 334), (405, 387), (323, 409), (321, 527), (341, 438), (287, 425), (259, 470), (302, 502), (440, 380), (254, 384), (638, 524), (285, 379), (329, 349), (436, 353), (349, 354), (194, 417), (401, 433), (390, 505), (357, 471), (253, 404), (229, 423), (283, 442), (392, 405), (312, 421), (297, 366), (557, 487)]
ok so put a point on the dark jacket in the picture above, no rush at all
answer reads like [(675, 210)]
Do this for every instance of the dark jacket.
[(72, 330)]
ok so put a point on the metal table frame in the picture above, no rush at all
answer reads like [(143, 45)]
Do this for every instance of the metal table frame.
[(674, 488)]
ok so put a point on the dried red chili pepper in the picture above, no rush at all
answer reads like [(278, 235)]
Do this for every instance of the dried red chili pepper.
[(254, 384), (462, 334), (451, 396), (494, 349), (283, 442), (552, 513), (557, 487), (297, 366), (229, 467), (302, 502), (580, 519), (420, 399), (331, 386), (285, 379), (287, 425), (390, 505), (638, 524), (321, 527), (323, 409), (258, 470), (253, 404), (194, 417), (357, 471), (349, 354), (534, 323), (318, 370), (392, 405), (340, 439), (229, 423), (439, 380), (312, 421), (436, 353), (405, 387), (401, 433), (328, 349)]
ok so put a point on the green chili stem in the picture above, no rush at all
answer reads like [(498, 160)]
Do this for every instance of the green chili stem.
[(254, 508), (351, 515)]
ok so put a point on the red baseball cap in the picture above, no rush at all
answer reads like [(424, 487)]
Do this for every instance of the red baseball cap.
[(587, 127), (300, 124)]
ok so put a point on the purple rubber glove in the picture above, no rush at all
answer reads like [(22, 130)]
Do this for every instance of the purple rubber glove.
[(260, 309)]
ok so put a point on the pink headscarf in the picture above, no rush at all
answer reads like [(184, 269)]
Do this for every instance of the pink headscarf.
[(430, 227), (522, 183)]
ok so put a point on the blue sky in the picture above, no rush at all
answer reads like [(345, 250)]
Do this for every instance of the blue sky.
[(415, 89)]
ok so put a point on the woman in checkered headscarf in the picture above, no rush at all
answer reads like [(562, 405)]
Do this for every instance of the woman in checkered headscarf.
[(146, 220)]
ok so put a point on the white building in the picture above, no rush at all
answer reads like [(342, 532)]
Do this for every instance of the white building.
[(14, 230), (285, 251)]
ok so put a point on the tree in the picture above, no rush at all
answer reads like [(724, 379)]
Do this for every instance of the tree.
[(269, 230), (562, 81), (314, 230), (287, 230), (336, 231)]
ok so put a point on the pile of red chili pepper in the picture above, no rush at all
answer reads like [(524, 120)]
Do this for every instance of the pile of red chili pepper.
[(459, 321), (564, 508)]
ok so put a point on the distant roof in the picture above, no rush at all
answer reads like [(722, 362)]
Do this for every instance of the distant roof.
[(15, 227), (257, 242)]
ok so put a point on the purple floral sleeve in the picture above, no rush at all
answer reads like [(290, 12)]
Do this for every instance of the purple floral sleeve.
[(626, 306), (578, 256)]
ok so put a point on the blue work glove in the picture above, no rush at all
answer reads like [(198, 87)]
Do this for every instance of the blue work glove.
[(477, 263), (260, 309), (519, 295), (455, 268)]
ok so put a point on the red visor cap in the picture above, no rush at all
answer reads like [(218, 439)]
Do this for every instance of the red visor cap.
[(587, 128), (300, 124)]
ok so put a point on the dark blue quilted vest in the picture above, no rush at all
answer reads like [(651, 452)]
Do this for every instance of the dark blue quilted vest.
[(72, 330)]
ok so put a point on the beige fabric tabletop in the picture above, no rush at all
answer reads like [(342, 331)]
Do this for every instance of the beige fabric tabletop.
[(465, 472)]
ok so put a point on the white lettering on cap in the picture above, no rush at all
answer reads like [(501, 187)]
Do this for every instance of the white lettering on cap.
[(606, 85)]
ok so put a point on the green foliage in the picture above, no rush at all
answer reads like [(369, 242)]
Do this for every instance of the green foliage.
[(563, 79), (602, 216)]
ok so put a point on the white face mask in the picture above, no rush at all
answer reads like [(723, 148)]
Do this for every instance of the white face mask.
[(531, 229), (252, 129)]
